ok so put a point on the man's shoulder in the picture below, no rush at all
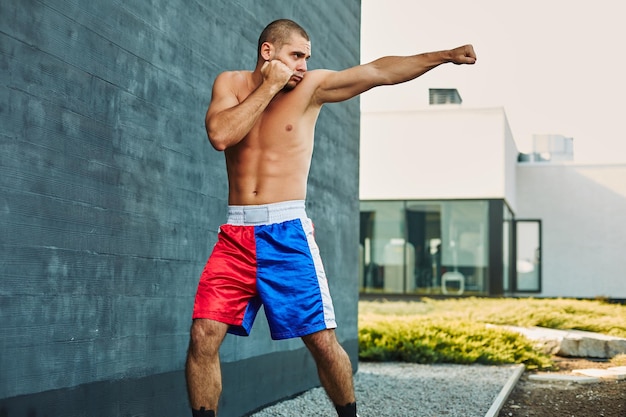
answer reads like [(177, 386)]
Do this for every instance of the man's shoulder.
[(233, 81), (236, 75), (314, 78), (318, 73)]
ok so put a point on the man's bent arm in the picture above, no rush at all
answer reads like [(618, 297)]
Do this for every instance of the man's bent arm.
[(227, 120), (343, 85)]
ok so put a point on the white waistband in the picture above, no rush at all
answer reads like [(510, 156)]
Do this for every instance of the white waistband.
[(266, 213)]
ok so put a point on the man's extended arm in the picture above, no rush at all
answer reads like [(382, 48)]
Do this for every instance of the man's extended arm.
[(343, 85), (227, 120)]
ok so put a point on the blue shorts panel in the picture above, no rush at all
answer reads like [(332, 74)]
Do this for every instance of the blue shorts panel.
[(291, 281)]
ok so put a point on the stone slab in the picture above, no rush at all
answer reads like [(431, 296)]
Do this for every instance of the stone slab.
[(574, 343), (602, 373), (552, 377)]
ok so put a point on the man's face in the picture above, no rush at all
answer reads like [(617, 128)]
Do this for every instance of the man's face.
[(294, 54)]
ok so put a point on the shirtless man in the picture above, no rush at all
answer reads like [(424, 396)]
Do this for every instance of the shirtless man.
[(264, 122)]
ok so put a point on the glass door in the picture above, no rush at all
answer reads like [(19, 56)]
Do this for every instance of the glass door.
[(528, 256)]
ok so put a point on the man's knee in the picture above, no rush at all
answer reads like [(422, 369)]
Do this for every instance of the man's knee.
[(206, 336), (322, 343)]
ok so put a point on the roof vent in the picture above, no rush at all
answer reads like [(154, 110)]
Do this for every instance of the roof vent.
[(553, 148), (444, 96), (550, 148)]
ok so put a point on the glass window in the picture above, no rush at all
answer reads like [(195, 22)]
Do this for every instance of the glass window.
[(465, 246), (424, 238), (507, 236), (382, 243), (424, 247)]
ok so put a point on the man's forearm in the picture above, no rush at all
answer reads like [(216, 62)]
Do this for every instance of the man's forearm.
[(230, 126), (399, 69)]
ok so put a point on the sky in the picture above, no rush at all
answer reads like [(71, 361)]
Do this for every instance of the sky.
[(555, 66)]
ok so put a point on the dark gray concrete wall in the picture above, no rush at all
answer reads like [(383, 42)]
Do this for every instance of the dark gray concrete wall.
[(111, 196)]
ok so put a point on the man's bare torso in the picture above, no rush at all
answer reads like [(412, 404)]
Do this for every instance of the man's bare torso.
[(271, 164)]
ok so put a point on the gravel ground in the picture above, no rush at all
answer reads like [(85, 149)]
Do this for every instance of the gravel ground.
[(408, 390)]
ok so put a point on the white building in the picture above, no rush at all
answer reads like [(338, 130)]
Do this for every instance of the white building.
[(446, 208)]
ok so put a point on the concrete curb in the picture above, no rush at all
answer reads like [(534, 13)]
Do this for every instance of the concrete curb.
[(505, 392)]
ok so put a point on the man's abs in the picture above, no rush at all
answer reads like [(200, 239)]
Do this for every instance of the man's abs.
[(243, 192), (257, 179)]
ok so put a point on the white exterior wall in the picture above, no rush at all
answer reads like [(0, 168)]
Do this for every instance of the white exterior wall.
[(445, 152), (583, 213), (510, 168), (450, 152)]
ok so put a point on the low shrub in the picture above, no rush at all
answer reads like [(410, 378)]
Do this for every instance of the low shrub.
[(429, 341), (456, 331)]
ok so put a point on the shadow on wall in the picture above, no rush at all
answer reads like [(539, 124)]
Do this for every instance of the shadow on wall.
[(583, 237)]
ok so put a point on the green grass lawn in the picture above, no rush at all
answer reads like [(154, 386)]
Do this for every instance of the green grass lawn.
[(456, 331)]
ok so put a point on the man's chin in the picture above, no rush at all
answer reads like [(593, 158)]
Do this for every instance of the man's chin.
[(290, 85), (293, 82)]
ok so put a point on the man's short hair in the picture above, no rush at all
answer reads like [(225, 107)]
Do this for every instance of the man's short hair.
[(279, 32)]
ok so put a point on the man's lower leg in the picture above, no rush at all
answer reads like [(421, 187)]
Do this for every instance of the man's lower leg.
[(203, 385), (335, 371), (202, 370)]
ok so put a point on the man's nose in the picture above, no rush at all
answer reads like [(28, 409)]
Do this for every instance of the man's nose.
[(301, 66)]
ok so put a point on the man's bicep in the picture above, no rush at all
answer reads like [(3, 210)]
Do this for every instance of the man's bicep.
[(222, 96), (343, 85)]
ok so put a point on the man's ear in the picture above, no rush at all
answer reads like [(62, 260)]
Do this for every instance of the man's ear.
[(267, 51)]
